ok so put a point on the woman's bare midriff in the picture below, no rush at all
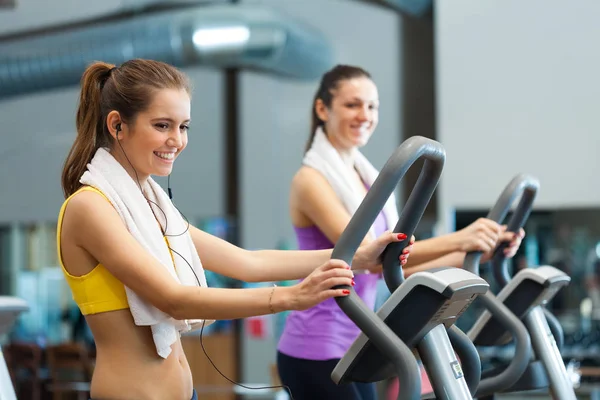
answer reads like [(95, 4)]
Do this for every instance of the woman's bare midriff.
[(127, 365)]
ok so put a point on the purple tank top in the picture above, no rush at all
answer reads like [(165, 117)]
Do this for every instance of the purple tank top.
[(324, 332)]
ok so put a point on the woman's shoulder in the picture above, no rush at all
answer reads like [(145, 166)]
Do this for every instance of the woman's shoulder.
[(306, 177), (83, 202)]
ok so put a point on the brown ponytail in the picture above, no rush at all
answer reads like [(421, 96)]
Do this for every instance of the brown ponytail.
[(127, 89), (329, 83), (89, 123)]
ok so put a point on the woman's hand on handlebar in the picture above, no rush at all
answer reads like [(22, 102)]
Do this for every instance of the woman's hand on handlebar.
[(368, 255), (485, 235), (320, 285), (514, 241), (329, 279), (482, 235)]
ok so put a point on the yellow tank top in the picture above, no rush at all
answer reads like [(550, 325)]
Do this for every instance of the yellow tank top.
[(97, 291)]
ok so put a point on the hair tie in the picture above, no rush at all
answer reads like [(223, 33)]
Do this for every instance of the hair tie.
[(108, 74)]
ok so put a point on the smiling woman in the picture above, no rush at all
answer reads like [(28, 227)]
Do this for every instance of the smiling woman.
[(157, 136), (325, 192), (144, 106), (347, 102), (134, 266)]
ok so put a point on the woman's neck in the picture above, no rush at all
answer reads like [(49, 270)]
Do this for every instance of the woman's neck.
[(348, 155), (138, 178)]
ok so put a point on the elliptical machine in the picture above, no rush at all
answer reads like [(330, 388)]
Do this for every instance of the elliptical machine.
[(525, 295), (420, 314), (10, 309)]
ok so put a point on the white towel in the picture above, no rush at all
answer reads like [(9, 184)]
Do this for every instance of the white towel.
[(107, 175), (323, 157)]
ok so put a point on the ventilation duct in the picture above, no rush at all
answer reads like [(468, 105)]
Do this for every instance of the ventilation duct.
[(219, 36), (413, 8)]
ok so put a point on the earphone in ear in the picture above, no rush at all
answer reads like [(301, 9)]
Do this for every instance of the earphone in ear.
[(118, 128)]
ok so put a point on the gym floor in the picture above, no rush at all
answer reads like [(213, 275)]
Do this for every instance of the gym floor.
[(585, 392)]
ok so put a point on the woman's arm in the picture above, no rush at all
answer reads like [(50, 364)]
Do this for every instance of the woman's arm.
[(220, 256), (313, 197), (97, 228), (431, 250), (457, 258), (219, 303), (482, 235)]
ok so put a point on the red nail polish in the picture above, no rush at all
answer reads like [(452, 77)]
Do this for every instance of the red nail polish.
[(346, 291), (353, 283), (401, 236)]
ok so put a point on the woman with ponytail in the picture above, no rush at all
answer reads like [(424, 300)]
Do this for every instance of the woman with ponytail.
[(134, 265), (325, 192)]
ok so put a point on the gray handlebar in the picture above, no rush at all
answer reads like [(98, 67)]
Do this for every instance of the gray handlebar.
[(518, 364), (435, 156), (528, 186), (392, 172), (524, 186)]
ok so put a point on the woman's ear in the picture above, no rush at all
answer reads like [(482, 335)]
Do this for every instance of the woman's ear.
[(321, 110), (114, 124)]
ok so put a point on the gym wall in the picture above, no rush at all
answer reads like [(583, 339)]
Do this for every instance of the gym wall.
[(517, 91)]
